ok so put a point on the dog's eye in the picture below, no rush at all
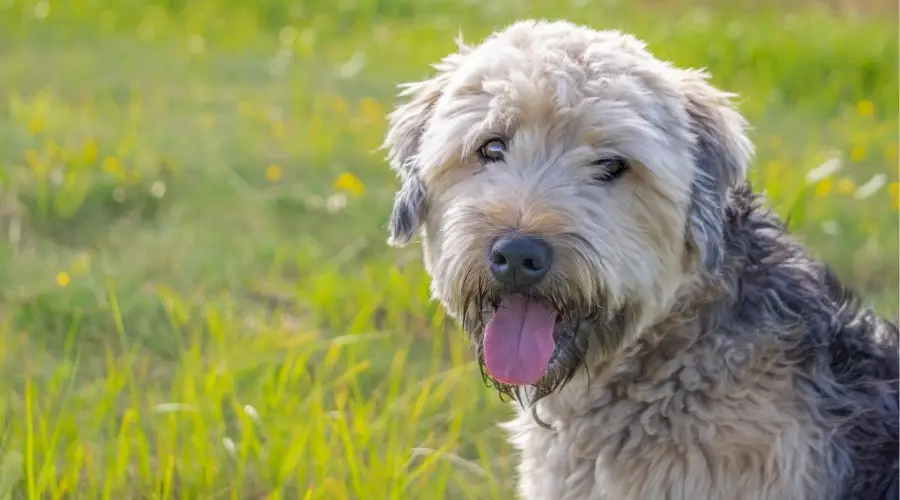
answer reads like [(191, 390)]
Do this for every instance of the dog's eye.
[(612, 168), (493, 150)]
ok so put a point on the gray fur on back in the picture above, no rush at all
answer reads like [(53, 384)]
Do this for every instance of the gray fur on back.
[(845, 360)]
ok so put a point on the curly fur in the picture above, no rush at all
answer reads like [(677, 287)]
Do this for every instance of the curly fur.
[(700, 351)]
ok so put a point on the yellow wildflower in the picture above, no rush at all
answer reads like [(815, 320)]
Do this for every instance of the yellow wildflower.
[(62, 279), (350, 183), (37, 125), (865, 108), (273, 173), (858, 153), (89, 152), (113, 166), (824, 187)]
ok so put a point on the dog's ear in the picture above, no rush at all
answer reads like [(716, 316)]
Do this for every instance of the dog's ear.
[(406, 124), (722, 153), (405, 128), (408, 211)]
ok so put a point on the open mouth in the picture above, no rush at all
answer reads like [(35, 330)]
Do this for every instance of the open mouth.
[(520, 340)]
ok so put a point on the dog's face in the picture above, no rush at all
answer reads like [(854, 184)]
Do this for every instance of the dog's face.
[(566, 184)]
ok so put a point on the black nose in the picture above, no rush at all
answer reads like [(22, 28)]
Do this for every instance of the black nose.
[(520, 260)]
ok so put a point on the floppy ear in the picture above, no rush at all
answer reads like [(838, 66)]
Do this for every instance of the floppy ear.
[(405, 128), (722, 154)]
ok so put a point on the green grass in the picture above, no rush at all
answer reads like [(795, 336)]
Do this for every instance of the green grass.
[(197, 300)]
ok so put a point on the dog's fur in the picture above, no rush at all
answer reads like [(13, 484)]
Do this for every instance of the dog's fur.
[(702, 354)]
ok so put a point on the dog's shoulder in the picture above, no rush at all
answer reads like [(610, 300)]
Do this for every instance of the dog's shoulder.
[(846, 358), (774, 274)]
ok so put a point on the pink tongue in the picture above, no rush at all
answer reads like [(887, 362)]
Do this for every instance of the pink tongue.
[(518, 341)]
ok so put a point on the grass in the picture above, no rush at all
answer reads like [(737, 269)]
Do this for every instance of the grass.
[(197, 299)]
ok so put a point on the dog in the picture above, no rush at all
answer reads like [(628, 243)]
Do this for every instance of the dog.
[(585, 217)]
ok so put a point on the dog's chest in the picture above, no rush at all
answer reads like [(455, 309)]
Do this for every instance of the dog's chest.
[(702, 423)]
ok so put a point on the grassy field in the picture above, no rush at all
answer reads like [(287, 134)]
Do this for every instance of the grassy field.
[(196, 297)]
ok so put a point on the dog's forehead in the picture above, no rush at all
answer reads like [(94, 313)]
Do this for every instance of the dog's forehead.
[(572, 59), (580, 44), (535, 71)]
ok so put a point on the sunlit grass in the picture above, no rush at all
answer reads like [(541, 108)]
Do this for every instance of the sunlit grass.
[(197, 297), (248, 409)]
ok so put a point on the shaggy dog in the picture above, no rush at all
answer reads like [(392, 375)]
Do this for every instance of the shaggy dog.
[(585, 217)]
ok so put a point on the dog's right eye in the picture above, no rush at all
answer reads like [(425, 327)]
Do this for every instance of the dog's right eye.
[(493, 150)]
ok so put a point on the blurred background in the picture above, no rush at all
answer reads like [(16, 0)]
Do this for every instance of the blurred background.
[(196, 297)]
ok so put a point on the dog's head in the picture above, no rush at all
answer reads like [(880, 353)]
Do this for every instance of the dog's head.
[(566, 183)]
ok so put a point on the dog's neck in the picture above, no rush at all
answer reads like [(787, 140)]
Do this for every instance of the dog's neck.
[(667, 337)]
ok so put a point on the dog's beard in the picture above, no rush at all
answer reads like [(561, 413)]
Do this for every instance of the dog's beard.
[(582, 322)]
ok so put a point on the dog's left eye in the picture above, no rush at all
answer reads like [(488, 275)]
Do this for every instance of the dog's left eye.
[(493, 150), (612, 168)]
